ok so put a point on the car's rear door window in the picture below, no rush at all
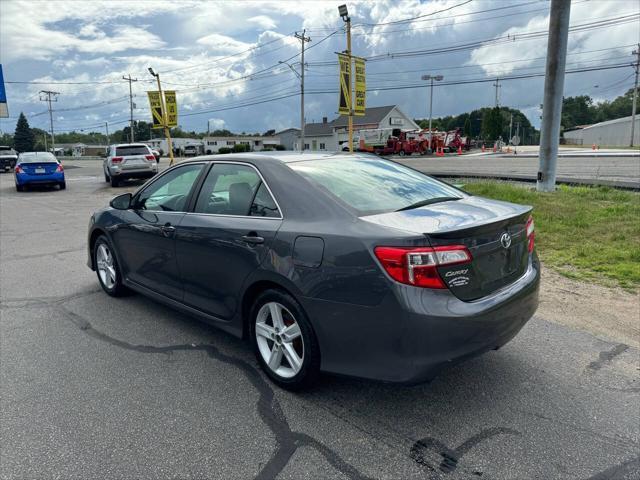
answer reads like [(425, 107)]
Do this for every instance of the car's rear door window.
[(234, 189), (170, 192), (373, 185)]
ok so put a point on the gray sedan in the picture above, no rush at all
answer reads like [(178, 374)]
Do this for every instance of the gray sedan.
[(349, 264)]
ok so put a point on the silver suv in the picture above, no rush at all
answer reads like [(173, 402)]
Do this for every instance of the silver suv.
[(129, 160)]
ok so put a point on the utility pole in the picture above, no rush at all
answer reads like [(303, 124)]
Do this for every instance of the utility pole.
[(510, 126), (106, 127), (167, 132), (635, 96), (432, 78), (46, 96), (344, 14), (130, 80), (303, 40), (553, 90), (497, 85)]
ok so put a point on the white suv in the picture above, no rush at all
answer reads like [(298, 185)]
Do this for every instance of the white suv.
[(129, 160)]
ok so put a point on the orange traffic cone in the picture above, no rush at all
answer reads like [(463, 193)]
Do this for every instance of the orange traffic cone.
[(495, 149), (483, 148), (459, 150), (440, 152)]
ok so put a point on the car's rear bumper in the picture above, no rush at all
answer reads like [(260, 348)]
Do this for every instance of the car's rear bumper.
[(414, 332), (146, 173), (7, 162), (43, 179)]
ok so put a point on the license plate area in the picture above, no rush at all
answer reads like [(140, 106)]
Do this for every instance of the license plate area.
[(40, 170)]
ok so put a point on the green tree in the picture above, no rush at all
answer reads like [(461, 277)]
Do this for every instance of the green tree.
[(467, 127), (492, 124), (23, 138)]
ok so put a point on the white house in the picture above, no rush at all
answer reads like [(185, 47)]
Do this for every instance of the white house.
[(612, 133), (255, 143), (160, 144), (332, 135)]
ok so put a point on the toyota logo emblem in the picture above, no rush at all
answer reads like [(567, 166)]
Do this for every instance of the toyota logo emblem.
[(505, 240)]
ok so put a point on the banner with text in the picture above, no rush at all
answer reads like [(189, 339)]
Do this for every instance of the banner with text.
[(344, 103), (171, 105), (156, 109), (361, 87)]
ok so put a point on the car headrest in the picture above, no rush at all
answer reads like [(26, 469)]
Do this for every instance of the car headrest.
[(239, 198)]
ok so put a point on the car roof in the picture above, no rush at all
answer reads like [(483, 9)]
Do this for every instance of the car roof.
[(130, 145)]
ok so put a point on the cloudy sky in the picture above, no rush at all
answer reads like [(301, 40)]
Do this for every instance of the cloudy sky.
[(222, 57)]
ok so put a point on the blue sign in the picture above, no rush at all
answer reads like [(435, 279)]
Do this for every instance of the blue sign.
[(4, 110)]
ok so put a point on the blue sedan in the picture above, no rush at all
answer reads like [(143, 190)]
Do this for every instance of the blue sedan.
[(38, 168)]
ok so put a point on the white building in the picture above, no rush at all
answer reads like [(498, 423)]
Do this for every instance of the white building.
[(160, 144), (255, 143), (612, 133), (289, 137), (331, 136)]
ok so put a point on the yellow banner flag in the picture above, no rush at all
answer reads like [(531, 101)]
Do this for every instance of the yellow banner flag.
[(344, 102), (171, 105), (156, 109), (361, 87)]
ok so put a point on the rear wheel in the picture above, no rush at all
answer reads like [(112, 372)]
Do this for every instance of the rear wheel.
[(20, 188), (401, 153), (62, 185), (284, 342), (107, 268), (115, 182)]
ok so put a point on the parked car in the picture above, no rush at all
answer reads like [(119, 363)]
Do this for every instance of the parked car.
[(8, 158), (192, 150), (128, 161), (38, 168), (350, 264)]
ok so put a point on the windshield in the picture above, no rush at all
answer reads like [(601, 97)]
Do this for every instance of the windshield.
[(372, 185), (132, 150), (37, 157)]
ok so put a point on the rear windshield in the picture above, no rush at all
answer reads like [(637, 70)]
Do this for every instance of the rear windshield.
[(372, 185), (37, 157), (132, 150)]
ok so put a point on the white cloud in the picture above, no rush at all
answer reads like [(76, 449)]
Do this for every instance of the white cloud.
[(222, 44), (217, 123), (263, 21)]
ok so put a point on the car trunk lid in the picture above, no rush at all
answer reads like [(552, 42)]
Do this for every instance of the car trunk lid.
[(39, 168), (494, 232)]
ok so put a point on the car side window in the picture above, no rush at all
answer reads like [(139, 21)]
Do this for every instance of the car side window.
[(229, 189), (170, 192), (263, 204)]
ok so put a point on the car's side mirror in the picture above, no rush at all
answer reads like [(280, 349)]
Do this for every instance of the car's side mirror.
[(121, 202)]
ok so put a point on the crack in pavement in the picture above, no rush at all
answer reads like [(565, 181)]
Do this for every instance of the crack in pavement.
[(451, 457), (618, 471), (607, 356), (268, 406)]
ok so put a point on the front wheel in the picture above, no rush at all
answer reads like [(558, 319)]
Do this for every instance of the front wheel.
[(107, 268), (401, 153), (62, 185), (284, 341)]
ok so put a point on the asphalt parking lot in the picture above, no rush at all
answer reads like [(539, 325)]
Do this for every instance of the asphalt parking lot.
[(97, 387)]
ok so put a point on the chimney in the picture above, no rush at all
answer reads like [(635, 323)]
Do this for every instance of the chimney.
[(324, 119)]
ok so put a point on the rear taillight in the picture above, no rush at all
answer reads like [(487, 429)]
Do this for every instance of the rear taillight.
[(531, 234), (418, 265), (60, 169), (116, 159), (150, 157), (18, 169)]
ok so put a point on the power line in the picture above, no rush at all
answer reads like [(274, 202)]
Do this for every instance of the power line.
[(46, 95)]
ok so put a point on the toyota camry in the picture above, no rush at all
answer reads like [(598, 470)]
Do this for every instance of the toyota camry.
[(349, 264)]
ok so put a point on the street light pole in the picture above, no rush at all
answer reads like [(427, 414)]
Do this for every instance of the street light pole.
[(432, 78), (167, 132), (344, 14), (635, 97), (303, 40)]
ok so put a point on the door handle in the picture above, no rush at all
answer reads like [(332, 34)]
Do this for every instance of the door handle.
[(168, 229), (252, 239)]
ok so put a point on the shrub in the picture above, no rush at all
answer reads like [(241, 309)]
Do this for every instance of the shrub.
[(280, 147), (240, 147), (224, 150)]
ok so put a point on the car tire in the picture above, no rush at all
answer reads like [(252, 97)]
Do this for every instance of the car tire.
[(63, 185), (109, 277), (106, 177), (401, 153), (269, 337), (20, 188), (115, 182)]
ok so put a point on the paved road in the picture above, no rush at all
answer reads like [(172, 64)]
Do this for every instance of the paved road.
[(625, 170), (96, 387)]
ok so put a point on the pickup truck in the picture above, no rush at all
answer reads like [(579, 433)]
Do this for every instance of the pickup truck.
[(8, 158)]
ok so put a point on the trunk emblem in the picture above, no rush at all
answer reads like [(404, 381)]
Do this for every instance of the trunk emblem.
[(505, 240)]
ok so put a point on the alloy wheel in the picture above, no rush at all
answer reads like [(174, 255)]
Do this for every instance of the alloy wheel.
[(279, 339), (105, 265)]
